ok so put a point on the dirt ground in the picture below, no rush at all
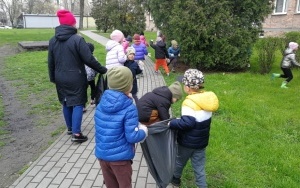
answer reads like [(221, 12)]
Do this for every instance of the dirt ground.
[(25, 141)]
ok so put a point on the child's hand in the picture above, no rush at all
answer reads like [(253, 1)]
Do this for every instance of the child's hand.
[(145, 129), (141, 64)]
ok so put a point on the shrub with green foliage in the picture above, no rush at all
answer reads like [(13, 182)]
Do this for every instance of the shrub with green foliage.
[(266, 48), (214, 34)]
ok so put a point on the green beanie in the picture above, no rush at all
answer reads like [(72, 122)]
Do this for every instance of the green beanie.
[(120, 78), (176, 90)]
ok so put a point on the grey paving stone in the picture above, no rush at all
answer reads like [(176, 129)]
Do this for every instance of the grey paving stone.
[(79, 179), (87, 183), (39, 177), (141, 182), (86, 169), (79, 163), (53, 186), (53, 172), (44, 183), (93, 173), (32, 185), (74, 157), (62, 162), (73, 173), (59, 178), (34, 171), (143, 172), (66, 183), (48, 166), (56, 157), (44, 161)]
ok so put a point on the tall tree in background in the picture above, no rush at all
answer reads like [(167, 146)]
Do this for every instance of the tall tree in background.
[(81, 12), (100, 12), (41, 7), (214, 34), (12, 8), (125, 15)]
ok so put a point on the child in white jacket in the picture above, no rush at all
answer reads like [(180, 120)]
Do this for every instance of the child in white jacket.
[(115, 53)]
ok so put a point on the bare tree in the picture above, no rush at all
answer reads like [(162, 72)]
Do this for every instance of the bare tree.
[(39, 7), (81, 12), (12, 8), (30, 5)]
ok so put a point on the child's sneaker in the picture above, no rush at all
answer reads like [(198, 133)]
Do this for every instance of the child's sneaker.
[(92, 102), (79, 138), (176, 181), (274, 75)]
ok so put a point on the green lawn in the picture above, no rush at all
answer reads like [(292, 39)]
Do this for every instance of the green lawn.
[(255, 134)]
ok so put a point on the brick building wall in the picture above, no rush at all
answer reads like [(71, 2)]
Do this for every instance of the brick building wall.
[(277, 24)]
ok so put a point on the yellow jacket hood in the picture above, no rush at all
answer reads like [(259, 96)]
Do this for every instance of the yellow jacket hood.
[(205, 100)]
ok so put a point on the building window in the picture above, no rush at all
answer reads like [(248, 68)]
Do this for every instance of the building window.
[(280, 6), (298, 6)]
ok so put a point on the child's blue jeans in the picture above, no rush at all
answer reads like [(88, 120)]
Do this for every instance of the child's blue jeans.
[(73, 117), (197, 157)]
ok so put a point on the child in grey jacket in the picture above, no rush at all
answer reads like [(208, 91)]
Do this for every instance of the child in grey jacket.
[(288, 60)]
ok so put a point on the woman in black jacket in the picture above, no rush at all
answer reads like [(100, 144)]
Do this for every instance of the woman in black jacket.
[(67, 55)]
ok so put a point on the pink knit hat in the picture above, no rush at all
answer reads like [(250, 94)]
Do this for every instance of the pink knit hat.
[(117, 36), (293, 45), (66, 17)]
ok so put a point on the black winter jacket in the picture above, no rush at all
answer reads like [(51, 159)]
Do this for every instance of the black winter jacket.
[(160, 50), (159, 99), (67, 55), (135, 69)]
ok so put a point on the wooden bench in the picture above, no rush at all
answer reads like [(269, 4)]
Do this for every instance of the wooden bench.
[(33, 45)]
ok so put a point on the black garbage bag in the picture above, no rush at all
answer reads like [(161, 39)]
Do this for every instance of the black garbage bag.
[(101, 86), (160, 151)]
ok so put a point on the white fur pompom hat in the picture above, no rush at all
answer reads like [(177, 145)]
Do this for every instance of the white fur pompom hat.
[(293, 45), (117, 36)]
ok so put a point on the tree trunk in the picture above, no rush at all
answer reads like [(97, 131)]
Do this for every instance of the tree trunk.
[(81, 12)]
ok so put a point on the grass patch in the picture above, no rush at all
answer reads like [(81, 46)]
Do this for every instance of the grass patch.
[(20, 172)]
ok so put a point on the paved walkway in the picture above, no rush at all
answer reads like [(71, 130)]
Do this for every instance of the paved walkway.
[(66, 164)]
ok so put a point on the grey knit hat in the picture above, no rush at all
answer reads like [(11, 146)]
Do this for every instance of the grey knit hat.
[(176, 90), (193, 78), (120, 78), (130, 50)]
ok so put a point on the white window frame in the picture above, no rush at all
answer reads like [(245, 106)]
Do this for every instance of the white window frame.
[(284, 7), (298, 6)]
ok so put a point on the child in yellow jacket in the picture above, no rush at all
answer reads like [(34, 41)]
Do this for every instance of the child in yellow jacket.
[(193, 126)]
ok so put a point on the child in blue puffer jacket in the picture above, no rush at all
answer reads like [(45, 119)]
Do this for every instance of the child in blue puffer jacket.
[(117, 129), (174, 54)]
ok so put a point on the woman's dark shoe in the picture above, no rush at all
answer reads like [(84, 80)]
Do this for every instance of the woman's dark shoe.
[(69, 132), (92, 102), (176, 181), (79, 138)]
